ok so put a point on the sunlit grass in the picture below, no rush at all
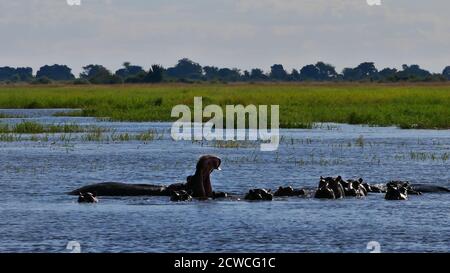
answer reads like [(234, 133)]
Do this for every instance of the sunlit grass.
[(406, 106)]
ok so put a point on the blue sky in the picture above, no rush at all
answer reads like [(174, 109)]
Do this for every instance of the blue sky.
[(231, 33)]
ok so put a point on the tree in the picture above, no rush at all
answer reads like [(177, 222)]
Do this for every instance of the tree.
[(446, 73), (387, 74), (278, 73), (295, 75), (155, 74), (211, 73), (25, 73), (309, 73), (129, 70), (367, 70), (56, 72), (258, 75), (16, 74), (245, 76), (226, 74), (326, 72), (186, 69), (413, 73), (98, 74), (42, 80), (364, 71)]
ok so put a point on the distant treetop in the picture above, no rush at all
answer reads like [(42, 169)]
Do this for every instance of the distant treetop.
[(187, 70)]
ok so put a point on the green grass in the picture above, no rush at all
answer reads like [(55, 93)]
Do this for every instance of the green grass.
[(406, 106), (31, 127)]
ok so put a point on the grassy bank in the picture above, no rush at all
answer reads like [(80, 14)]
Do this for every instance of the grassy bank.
[(407, 106)]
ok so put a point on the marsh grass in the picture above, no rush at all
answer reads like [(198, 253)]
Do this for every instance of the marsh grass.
[(406, 106), (424, 156), (234, 144), (6, 137), (31, 127), (146, 136), (77, 113), (360, 142), (95, 135), (149, 135), (4, 116)]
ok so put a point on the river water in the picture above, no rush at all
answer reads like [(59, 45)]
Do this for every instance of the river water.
[(37, 216)]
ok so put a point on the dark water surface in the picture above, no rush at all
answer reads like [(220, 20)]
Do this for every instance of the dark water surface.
[(37, 216)]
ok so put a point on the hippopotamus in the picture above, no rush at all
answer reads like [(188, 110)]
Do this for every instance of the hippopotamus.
[(87, 197), (396, 192), (324, 191), (418, 188), (403, 184), (336, 186), (219, 194), (199, 184), (372, 188), (429, 188), (178, 196), (289, 191), (354, 188), (358, 187), (259, 195), (330, 188)]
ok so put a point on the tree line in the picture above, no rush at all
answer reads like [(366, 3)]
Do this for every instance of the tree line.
[(189, 71)]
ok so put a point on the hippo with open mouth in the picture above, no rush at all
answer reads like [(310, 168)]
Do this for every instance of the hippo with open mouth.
[(198, 185)]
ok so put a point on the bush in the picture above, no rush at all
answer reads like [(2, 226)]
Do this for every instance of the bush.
[(42, 80), (81, 81)]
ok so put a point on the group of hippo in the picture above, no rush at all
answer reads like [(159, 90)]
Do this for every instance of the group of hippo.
[(198, 186)]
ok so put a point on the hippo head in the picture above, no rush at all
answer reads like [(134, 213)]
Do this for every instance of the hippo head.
[(355, 184), (200, 182), (323, 182), (87, 197), (180, 196), (208, 163), (259, 195), (285, 191), (396, 192)]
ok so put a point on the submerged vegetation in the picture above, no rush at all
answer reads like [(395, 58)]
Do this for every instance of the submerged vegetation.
[(301, 105)]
